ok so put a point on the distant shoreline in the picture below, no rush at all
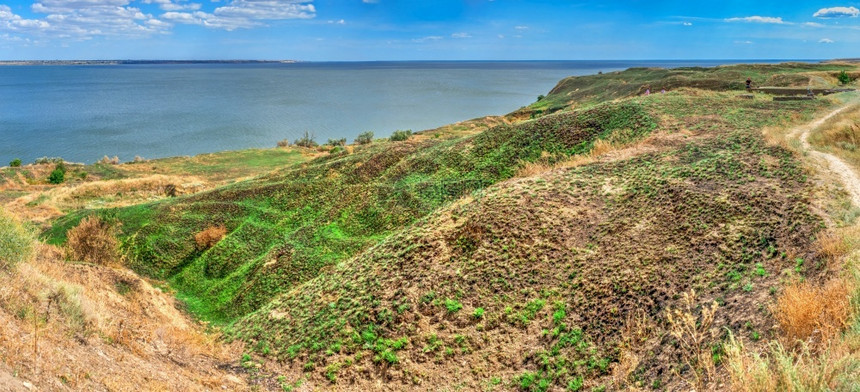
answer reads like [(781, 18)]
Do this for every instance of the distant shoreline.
[(140, 62), (191, 62)]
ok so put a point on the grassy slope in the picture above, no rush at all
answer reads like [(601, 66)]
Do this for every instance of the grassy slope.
[(590, 89), (365, 265), (286, 227), (561, 262)]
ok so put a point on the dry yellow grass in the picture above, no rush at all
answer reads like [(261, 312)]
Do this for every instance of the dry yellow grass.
[(813, 314), (93, 241)]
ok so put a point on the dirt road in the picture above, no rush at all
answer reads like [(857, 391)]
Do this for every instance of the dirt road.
[(846, 174)]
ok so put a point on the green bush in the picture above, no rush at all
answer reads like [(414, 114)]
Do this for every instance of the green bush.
[(15, 162), (59, 174), (306, 141), (16, 242), (399, 135), (336, 142), (364, 138), (844, 78)]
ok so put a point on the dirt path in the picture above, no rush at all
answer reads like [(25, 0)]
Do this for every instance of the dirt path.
[(846, 174)]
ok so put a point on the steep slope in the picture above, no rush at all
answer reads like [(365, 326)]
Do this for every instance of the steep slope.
[(287, 227), (564, 279)]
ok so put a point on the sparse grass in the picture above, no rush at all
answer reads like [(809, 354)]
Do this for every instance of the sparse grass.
[(16, 242)]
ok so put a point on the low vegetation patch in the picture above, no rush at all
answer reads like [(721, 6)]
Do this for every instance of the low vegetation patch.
[(16, 242)]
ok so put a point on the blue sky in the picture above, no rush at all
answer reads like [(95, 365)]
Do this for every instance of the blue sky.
[(321, 30)]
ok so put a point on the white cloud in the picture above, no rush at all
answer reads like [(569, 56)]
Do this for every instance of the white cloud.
[(461, 35), (427, 39), (521, 28), (758, 19), (85, 19), (169, 5), (812, 24), (744, 42), (826, 41), (369, 1), (81, 19), (687, 23), (837, 12)]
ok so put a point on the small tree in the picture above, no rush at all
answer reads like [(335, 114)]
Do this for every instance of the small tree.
[(15, 162), (364, 138), (306, 141), (58, 175), (399, 135), (844, 78)]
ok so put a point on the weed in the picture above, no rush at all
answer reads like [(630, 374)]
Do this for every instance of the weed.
[(453, 305), (478, 313), (694, 334)]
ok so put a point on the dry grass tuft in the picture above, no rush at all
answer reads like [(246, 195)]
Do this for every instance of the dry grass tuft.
[(209, 237), (93, 241), (813, 314), (748, 371), (695, 335)]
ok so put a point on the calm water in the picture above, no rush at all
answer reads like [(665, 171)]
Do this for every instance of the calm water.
[(82, 113)]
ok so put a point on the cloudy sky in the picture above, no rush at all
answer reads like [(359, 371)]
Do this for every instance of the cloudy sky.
[(427, 29)]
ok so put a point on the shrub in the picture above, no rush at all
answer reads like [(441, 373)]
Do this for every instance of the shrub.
[(93, 241), (209, 237), (47, 160), (364, 138), (336, 142), (804, 310), (399, 135), (306, 141), (58, 175), (16, 242), (109, 161), (843, 77), (15, 163), (541, 97), (138, 159), (284, 143)]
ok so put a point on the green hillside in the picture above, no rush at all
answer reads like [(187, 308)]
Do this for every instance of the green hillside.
[(539, 255)]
